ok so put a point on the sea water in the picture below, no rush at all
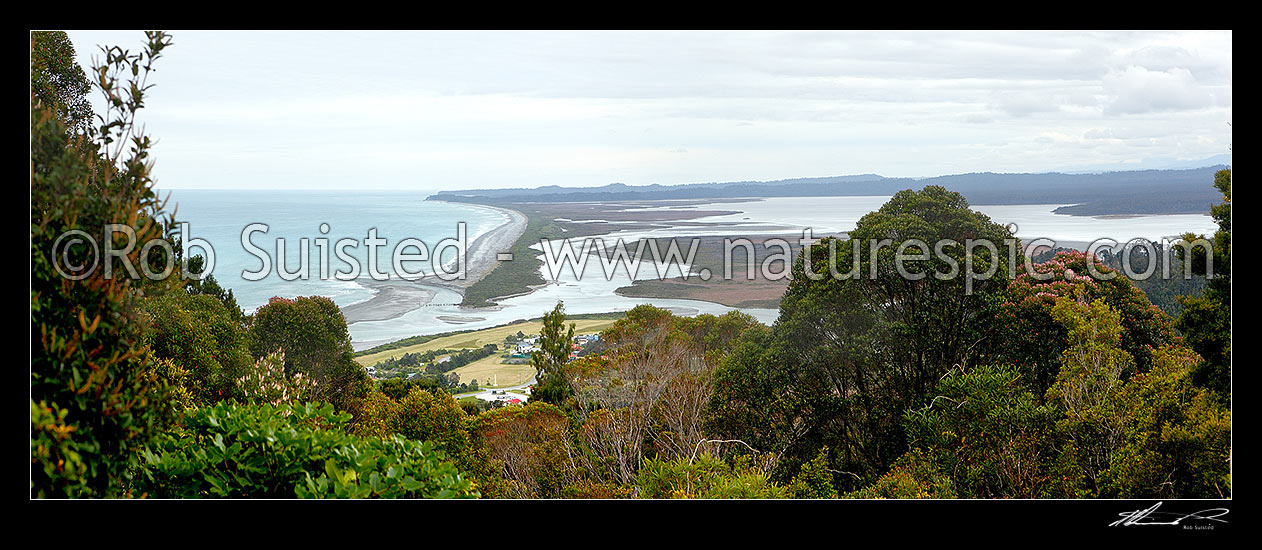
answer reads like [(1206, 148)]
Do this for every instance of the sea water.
[(316, 221)]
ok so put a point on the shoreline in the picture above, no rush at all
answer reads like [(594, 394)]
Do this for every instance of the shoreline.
[(394, 297), (632, 222)]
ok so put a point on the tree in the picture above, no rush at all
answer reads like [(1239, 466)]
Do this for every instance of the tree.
[(209, 286), (1087, 392), (986, 432), (533, 450), (97, 396), (1177, 436), (913, 475), (554, 351), (202, 336), (57, 82), (814, 480), (1206, 320), (312, 333), (649, 397), (863, 336), (704, 477), (1036, 341), (1155, 435)]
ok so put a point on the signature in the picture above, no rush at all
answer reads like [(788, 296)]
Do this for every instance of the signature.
[(1150, 516)]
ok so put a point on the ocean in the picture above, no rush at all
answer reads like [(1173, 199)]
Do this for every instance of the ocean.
[(322, 218)]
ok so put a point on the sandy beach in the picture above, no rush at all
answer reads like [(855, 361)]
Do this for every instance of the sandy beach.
[(395, 297)]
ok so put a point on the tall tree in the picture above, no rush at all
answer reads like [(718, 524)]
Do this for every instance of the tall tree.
[(863, 336), (57, 81), (1035, 340), (555, 344), (1206, 320), (312, 333)]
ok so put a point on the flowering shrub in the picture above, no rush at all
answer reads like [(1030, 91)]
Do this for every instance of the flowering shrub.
[(267, 383), (1036, 340)]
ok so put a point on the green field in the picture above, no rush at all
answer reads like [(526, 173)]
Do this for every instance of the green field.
[(483, 369), (490, 369)]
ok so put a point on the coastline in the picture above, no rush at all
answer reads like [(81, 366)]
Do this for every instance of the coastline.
[(395, 297), (514, 290)]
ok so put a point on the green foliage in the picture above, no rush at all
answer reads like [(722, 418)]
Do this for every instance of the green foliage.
[(434, 417), (1087, 391), (1165, 288), (202, 336), (988, 431), (312, 333), (753, 400), (1206, 319), (97, 395), (1177, 435), (549, 362), (260, 451), (396, 388), (421, 415), (857, 343), (209, 286), (704, 477), (57, 82), (1036, 340), (532, 448), (913, 475), (814, 480)]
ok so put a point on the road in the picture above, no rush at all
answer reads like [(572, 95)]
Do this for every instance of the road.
[(528, 383)]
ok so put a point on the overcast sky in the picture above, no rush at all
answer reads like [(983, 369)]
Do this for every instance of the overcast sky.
[(458, 110)]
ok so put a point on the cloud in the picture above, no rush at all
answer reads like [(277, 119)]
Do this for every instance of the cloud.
[(1098, 133), (1021, 104), (1140, 90)]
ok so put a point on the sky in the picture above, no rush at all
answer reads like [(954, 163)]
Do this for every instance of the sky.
[(446, 110)]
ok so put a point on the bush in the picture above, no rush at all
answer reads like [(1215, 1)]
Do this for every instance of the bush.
[(987, 430), (262, 451), (1035, 340), (313, 335), (203, 337), (1178, 436), (913, 475), (704, 477), (97, 395)]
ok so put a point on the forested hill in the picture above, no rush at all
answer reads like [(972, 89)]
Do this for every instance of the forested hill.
[(1134, 192)]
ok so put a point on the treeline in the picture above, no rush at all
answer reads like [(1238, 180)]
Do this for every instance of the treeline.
[(1134, 192), (454, 359), (1052, 384)]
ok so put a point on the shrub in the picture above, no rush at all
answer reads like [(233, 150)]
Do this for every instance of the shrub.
[(262, 451), (97, 395), (704, 477)]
